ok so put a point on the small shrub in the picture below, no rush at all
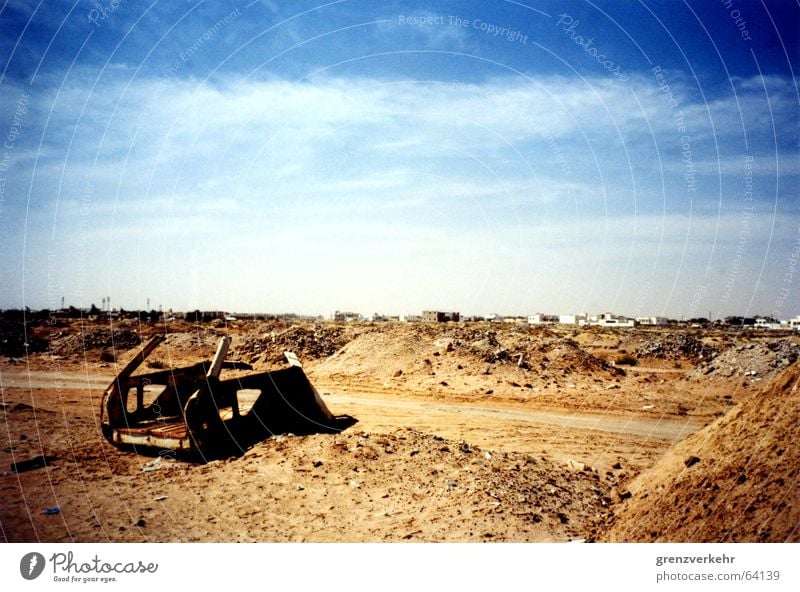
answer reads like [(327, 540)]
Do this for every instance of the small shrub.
[(107, 356), (156, 364)]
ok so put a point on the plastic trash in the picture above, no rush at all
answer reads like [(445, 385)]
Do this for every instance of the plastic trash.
[(53, 510), (152, 465)]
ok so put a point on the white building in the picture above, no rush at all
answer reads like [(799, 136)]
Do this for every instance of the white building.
[(608, 319), (765, 324), (542, 319), (658, 321), (578, 319), (345, 317)]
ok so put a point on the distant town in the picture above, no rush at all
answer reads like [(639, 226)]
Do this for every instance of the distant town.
[(606, 319)]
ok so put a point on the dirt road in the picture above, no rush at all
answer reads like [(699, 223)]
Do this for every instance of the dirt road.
[(599, 440), (402, 410), (646, 427)]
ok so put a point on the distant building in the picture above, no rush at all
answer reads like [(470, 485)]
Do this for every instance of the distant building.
[(771, 324), (515, 320), (608, 319), (657, 321), (435, 316), (542, 319), (377, 318), (577, 319), (345, 317)]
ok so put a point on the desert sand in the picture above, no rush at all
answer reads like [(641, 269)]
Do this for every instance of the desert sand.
[(464, 432)]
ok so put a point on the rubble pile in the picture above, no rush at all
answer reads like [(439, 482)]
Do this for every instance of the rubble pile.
[(573, 358), (77, 343), (676, 347), (540, 351), (534, 493), (205, 340), (308, 343), (756, 360)]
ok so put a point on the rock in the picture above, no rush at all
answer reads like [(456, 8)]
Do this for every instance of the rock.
[(445, 344), (576, 465), (397, 373)]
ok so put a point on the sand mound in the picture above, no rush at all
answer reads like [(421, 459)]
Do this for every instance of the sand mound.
[(421, 357), (734, 480)]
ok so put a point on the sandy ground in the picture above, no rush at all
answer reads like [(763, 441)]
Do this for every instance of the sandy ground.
[(457, 439)]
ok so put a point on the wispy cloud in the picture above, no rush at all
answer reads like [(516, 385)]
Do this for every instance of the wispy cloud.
[(519, 178)]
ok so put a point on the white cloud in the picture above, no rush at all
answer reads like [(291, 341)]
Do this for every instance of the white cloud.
[(489, 182)]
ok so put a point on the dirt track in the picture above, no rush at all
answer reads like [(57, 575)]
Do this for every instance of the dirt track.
[(656, 428), (390, 406)]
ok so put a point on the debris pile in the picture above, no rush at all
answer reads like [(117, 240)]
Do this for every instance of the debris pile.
[(543, 351), (198, 339), (77, 343), (496, 495), (308, 343), (573, 358), (755, 360), (676, 346)]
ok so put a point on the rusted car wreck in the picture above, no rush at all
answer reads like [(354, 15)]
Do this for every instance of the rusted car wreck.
[(192, 411)]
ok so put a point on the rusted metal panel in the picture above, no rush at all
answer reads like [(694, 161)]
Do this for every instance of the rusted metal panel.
[(196, 411)]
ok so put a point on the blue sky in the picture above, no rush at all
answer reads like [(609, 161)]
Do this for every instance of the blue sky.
[(510, 157)]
